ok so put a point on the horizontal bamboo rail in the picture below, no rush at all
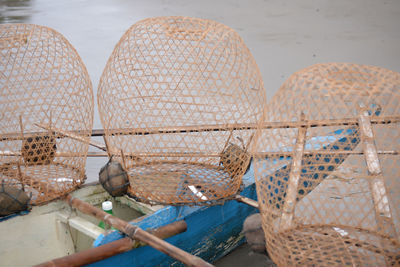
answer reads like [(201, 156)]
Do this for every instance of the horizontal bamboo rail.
[(324, 152), (73, 136), (135, 232), (245, 126), (259, 154), (113, 248), (270, 125), (57, 154), (209, 128)]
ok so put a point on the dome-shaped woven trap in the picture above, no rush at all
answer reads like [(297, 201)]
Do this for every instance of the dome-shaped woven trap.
[(177, 97), (327, 168), (46, 96)]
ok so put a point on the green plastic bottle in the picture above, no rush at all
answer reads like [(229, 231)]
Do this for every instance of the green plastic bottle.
[(107, 207)]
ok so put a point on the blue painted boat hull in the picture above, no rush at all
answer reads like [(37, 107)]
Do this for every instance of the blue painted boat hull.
[(212, 232)]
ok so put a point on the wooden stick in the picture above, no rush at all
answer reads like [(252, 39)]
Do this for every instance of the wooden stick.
[(210, 128), (73, 136), (294, 178), (108, 150), (248, 201), (18, 164), (135, 232), (227, 141), (249, 142), (20, 176), (123, 159), (380, 199), (113, 248)]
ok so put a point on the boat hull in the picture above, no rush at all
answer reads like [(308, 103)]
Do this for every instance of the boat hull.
[(212, 232)]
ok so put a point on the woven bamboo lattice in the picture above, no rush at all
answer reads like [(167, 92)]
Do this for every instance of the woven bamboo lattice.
[(43, 85), (174, 97), (328, 185)]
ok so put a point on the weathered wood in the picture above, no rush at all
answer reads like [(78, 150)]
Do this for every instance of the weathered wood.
[(113, 248), (80, 224), (294, 177), (247, 201), (380, 198), (135, 232)]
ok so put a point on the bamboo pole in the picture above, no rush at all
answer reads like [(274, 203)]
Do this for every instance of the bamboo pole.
[(135, 232), (8, 153), (111, 249), (231, 127), (324, 152), (383, 213), (73, 136), (246, 126), (286, 221), (205, 128)]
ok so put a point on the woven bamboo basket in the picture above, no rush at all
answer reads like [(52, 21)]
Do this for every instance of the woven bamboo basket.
[(328, 177), (44, 86), (174, 99)]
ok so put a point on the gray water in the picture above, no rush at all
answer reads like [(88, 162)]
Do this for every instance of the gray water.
[(283, 35)]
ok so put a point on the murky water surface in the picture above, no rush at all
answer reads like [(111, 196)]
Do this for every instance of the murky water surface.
[(15, 11)]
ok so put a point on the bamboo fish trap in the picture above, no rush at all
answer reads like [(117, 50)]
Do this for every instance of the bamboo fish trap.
[(328, 184), (43, 86), (173, 98)]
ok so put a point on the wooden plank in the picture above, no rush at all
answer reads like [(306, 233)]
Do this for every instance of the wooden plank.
[(81, 225), (286, 221)]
